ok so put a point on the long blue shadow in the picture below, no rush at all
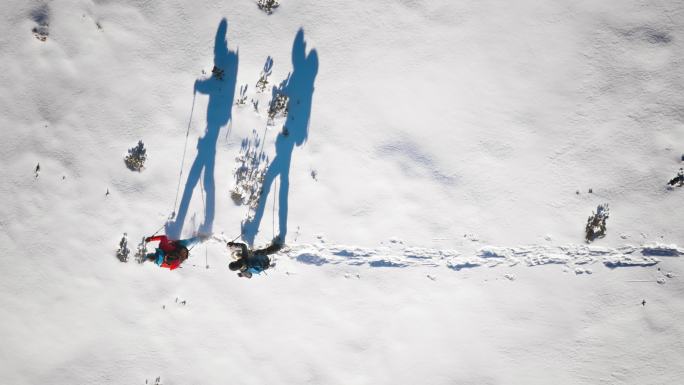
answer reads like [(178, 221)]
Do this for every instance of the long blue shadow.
[(299, 88), (220, 88)]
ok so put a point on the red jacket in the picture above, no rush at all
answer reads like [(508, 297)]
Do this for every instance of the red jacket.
[(172, 265), (167, 246)]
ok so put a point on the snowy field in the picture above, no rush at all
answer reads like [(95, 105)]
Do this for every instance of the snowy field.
[(432, 179)]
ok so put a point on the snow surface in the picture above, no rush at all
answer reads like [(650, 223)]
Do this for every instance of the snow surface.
[(437, 194)]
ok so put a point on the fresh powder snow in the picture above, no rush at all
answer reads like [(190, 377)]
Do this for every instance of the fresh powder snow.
[(430, 165)]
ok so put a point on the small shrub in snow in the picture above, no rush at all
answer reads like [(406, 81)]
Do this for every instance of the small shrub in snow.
[(41, 16), (596, 223), (135, 160), (122, 253), (679, 179), (261, 83), (141, 252), (242, 99), (268, 5), (278, 105), (217, 72), (249, 174), (265, 73), (40, 32)]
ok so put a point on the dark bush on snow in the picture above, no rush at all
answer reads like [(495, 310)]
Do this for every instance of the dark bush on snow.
[(596, 223), (135, 160)]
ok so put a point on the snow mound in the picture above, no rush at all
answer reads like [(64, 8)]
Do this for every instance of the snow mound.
[(662, 250)]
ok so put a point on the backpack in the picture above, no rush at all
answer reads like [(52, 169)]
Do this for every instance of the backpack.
[(177, 251), (258, 263)]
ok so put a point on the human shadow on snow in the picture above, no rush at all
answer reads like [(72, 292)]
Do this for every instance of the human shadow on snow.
[(299, 88), (220, 88)]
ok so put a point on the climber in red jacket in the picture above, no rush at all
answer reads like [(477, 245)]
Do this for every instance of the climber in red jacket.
[(171, 254)]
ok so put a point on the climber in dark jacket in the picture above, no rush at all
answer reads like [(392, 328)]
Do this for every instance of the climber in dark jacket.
[(251, 262)]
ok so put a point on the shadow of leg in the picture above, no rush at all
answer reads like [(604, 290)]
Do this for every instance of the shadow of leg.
[(283, 204), (175, 227), (250, 228), (210, 191)]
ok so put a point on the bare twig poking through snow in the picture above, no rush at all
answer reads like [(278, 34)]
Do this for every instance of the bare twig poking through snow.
[(596, 223), (268, 5), (135, 160), (157, 381), (122, 253)]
